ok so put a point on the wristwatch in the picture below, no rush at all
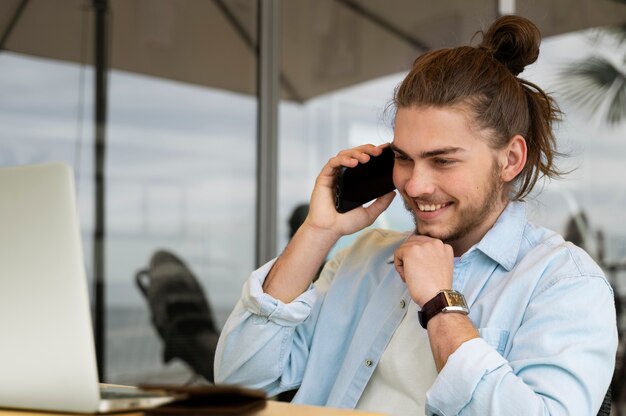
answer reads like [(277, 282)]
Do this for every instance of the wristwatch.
[(444, 301)]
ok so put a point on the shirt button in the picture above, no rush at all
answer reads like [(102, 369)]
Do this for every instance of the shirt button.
[(402, 304), (369, 363)]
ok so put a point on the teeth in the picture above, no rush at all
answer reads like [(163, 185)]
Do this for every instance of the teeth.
[(429, 207)]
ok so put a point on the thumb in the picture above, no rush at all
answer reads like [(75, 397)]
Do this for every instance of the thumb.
[(379, 205)]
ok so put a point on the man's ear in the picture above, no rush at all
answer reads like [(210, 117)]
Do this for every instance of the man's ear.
[(513, 158)]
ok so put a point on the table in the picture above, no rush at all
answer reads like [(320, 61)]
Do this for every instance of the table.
[(272, 408)]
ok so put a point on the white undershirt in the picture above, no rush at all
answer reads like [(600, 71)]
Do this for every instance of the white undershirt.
[(405, 372)]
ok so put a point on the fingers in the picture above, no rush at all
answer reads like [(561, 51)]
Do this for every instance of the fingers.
[(424, 249), (430, 242), (367, 149), (322, 211), (426, 265), (352, 157)]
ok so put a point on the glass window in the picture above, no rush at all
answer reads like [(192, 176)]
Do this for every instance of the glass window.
[(180, 148), (181, 166)]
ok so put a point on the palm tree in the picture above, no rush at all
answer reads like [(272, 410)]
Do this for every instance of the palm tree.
[(596, 83)]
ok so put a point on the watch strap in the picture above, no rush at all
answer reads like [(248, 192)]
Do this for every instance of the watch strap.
[(444, 301)]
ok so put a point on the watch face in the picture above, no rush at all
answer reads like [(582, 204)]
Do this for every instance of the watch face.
[(454, 299)]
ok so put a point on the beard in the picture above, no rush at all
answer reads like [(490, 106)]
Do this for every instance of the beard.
[(469, 217)]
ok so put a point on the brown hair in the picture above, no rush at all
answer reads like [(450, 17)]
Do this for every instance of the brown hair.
[(484, 79)]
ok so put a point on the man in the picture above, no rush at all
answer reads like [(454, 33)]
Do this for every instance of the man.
[(476, 311)]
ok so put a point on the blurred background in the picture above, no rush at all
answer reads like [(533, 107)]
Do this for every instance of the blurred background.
[(198, 126)]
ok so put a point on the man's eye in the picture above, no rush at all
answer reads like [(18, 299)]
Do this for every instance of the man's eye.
[(400, 157), (444, 162)]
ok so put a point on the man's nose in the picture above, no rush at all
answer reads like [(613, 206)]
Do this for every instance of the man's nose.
[(419, 184)]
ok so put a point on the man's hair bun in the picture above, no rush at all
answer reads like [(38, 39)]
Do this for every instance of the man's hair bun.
[(513, 41)]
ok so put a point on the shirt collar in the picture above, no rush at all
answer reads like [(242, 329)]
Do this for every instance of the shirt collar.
[(503, 241)]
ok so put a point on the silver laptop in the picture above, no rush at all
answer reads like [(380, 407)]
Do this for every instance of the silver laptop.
[(47, 354)]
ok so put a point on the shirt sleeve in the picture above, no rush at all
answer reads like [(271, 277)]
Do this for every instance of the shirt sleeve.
[(561, 359), (265, 342), (265, 306)]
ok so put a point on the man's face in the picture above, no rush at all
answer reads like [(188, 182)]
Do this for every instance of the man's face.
[(447, 174)]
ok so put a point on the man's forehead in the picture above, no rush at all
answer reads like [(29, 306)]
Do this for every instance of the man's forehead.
[(434, 130)]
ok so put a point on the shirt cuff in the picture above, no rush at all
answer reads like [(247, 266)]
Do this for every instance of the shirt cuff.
[(455, 385), (260, 303)]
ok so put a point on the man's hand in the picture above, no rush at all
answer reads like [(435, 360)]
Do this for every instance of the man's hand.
[(297, 266), (322, 213), (426, 265)]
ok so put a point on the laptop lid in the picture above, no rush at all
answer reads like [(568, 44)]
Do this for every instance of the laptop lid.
[(47, 354)]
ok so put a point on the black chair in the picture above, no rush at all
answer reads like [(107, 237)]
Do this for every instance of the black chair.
[(180, 312)]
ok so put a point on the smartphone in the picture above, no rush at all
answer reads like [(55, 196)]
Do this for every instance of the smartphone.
[(364, 182)]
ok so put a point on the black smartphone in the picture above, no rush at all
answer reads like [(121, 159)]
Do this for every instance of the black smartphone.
[(364, 182)]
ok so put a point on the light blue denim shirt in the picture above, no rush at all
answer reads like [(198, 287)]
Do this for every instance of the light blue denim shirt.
[(543, 308)]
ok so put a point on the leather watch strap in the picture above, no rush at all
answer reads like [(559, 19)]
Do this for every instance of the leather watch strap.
[(444, 301)]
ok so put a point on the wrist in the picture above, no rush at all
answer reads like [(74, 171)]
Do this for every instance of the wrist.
[(318, 235), (428, 294)]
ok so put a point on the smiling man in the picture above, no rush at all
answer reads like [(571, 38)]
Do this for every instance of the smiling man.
[(474, 312)]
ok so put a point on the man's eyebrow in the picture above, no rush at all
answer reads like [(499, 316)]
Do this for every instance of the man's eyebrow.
[(430, 153), (442, 151), (397, 149)]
